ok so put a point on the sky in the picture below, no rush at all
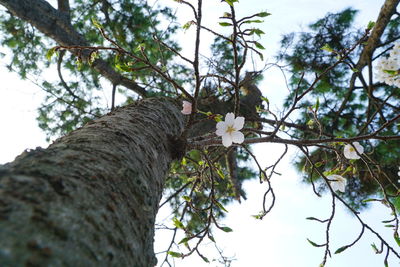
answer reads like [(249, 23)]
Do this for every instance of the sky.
[(280, 240)]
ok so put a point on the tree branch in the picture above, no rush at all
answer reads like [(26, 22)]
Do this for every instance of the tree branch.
[(55, 25), (387, 10)]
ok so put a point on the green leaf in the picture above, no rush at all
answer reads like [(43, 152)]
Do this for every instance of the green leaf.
[(259, 216), (226, 229), (259, 46), (225, 24), (211, 238), (316, 106), (183, 161), (79, 64), (339, 250), (123, 67), (263, 98), (184, 240), (140, 47), (327, 48), (204, 258), (369, 200), (178, 223), (253, 21), (187, 25), (370, 25), (218, 118), (257, 31), (230, 2), (319, 164), (175, 254), (396, 237), (386, 263), (50, 53), (93, 56), (374, 248), (263, 14), (219, 205), (96, 24), (314, 244), (220, 173), (187, 198), (391, 72)]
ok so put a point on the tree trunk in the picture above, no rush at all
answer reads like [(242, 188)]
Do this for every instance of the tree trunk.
[(90, 198)]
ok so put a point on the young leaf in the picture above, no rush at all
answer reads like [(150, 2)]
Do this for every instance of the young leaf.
[(225, 24), (175, 254), (263, 14), (96, 23), (226, 229), (204, 258), (50, 53), (220, 173), (230, 2), (187, 25), (370, 25), (253, 21), (187, 198), (314, 244), (178, 223), (327, 48), (184, 240), (396, 237), (374, 248), (259, 46), (339, 250), (211, 238), (219, 205)]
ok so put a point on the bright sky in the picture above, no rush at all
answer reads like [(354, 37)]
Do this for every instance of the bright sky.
[(280, 239)]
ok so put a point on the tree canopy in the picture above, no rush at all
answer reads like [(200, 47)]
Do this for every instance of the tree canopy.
[(341, 117)]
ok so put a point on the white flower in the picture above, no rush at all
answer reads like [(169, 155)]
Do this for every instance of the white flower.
[(350, 150), (391, 63), (186, 107), (229, 130), (338, 183), (398, 172)]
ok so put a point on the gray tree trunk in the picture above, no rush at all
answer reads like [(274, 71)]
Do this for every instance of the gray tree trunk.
[(91, 198)]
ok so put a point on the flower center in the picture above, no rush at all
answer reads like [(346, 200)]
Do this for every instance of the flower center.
[(352, 149), (230, 129)]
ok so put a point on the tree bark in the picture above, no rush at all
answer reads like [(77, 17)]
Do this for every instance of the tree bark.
[(90, 198)]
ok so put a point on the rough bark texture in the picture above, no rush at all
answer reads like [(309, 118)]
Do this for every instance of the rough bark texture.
[(386, 12), (91, 198), (55, 24)]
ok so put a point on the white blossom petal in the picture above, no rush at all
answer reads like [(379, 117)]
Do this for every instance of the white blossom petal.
[(237, 137), (359, 147), (337, 182), (227, 140), (220, 132), (229, 129), (222, 125), (239, 123), (230, 118), (350, 150)]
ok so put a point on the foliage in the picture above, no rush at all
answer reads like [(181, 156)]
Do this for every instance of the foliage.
[(345, 107), (335, 104)]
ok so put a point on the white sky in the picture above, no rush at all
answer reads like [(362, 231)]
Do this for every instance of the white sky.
[(280, 239)]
